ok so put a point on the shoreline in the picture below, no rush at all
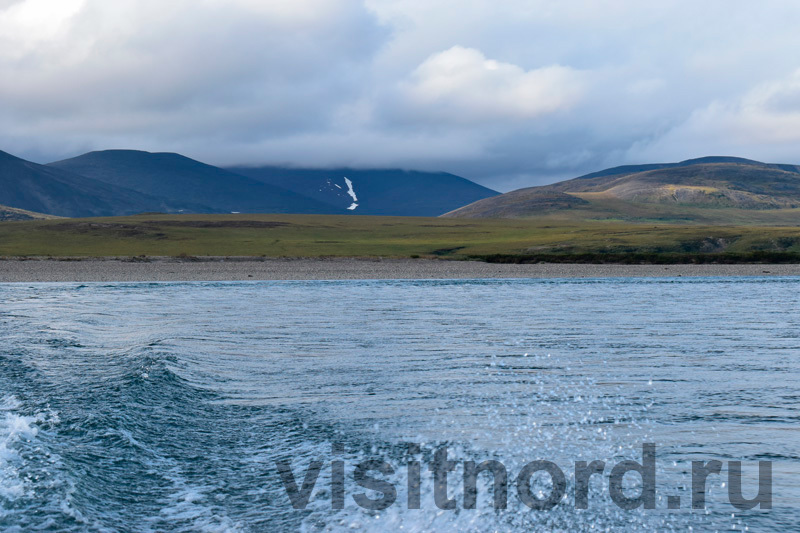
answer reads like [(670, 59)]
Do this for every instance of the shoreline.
[(26, 270)]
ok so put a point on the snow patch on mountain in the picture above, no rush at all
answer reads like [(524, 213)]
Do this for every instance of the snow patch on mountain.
[(352, 194)]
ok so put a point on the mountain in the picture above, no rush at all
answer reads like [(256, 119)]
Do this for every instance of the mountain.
[(176, 178), (32, 187), (632, 169), (375, 192), (702, 188)]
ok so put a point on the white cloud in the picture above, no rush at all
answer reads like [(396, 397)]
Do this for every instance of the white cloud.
[(762, 123), (461, 85), (24, 24)]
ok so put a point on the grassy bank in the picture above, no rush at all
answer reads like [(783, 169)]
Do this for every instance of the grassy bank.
[(548, 239), (634, 258)]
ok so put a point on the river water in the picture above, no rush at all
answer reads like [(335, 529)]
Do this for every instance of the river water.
[(165, 406)]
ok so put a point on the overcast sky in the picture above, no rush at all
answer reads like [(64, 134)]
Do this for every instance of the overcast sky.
[(509, 93)]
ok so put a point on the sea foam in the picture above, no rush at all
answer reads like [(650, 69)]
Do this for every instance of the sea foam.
[(13, 429)]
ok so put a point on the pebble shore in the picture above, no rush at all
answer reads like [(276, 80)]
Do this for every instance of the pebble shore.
[(233, 269)]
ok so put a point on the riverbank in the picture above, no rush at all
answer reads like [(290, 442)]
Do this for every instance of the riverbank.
[(236, 268)]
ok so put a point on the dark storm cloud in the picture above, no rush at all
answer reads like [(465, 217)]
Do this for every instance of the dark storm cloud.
[(510, 93)]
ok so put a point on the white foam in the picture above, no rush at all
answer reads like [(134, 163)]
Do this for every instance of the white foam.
[(13, 430), (9, 403), (190, 504)]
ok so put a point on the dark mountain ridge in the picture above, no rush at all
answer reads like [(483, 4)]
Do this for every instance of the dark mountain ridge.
[(43, 189), (180, 179), (375, 191)]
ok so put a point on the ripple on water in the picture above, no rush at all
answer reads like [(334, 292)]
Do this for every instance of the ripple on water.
[(174, 400)]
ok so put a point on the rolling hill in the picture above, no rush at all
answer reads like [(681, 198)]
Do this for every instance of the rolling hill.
[(42, 189), (706, 190), (177, 178), (376, 191)]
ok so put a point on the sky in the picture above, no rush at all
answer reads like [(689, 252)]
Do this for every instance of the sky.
[(508, 93)]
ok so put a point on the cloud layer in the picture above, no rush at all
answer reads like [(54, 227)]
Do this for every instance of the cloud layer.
[(508, 93)]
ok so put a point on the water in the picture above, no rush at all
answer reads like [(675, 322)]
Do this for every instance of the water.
[(164, 406)]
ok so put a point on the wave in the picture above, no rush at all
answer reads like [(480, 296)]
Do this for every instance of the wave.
[(34, 493), (13, 430)]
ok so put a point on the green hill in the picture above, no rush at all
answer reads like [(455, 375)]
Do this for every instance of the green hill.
[(713, 190)]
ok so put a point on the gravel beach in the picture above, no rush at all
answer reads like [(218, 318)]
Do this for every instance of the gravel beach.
[(232, 269)]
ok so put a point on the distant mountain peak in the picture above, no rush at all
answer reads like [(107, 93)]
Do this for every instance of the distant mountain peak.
[(719, 159), (204, 187), (43, 189), (122, 154)]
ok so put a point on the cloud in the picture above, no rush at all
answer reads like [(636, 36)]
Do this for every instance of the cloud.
[(762, 123), (508, 93), (157, 74), (461, 85), (26, 24)]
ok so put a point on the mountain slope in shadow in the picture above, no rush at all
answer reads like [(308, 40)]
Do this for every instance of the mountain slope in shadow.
[(44, 189), (177, 178), (376, 191)]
